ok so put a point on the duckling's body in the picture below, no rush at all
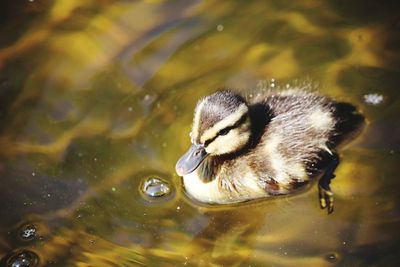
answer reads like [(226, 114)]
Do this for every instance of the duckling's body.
[(271, 146)]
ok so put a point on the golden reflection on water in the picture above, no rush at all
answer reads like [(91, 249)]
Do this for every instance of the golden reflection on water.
[(95, 96)]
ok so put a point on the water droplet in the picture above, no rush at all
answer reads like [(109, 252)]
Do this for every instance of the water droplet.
[(332, 257), (27, 232), (373, 99), (24, 258), (147, 98), (220, 27), (155, 187)]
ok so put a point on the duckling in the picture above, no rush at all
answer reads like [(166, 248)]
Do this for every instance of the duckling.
[(272, 145)]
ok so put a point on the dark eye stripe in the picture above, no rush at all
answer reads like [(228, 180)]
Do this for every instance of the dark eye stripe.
[(224, 131), (227, 129)]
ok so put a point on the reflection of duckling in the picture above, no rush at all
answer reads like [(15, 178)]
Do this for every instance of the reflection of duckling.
[(271, 146)]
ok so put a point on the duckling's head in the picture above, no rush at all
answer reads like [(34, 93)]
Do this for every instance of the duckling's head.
[(221, 126)]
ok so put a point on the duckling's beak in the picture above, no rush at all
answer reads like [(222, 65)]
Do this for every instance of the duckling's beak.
[(191, 160)]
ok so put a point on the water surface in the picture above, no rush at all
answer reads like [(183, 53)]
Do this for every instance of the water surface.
[(96, 96)]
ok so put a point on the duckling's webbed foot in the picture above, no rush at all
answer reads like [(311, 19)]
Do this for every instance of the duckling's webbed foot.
[(325, 193)]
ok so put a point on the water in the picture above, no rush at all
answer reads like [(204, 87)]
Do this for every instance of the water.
[(22, 259), (153, 187), (27, 232), (97, 96)]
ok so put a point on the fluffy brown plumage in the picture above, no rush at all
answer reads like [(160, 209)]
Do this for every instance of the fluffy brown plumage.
[(270, 146)]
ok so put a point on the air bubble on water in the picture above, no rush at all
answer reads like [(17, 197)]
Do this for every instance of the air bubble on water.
[(27, 232), (373, 99), (24, 258), (155, 187)]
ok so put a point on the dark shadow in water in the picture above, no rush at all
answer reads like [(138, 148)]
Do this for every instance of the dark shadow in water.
[(366, 11), (30, 193)]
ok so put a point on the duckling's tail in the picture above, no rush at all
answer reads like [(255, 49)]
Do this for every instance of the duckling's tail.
[(349, 123)]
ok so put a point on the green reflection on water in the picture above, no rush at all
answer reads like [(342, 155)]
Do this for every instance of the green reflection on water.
[(96, 96)]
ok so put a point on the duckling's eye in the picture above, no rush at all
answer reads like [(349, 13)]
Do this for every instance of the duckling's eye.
[(224, 131)]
